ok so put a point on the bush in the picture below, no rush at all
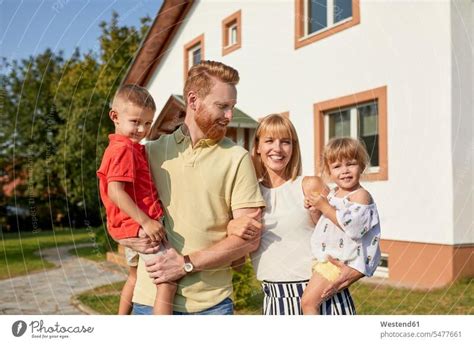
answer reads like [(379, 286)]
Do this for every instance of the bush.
[(104, 241), (247, 290)]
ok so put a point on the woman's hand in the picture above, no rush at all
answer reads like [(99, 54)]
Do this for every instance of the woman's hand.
[(346, 278), (246, 227)]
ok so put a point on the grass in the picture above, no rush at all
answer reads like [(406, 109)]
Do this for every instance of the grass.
[(17, 250), (458, 298), (103, 300), (90, 253)]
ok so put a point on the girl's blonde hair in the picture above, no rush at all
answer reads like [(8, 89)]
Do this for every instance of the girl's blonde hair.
[(277, 126), (345, 148)]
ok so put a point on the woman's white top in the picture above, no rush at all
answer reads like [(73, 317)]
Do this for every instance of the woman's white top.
[(357, 243), (284, 254)]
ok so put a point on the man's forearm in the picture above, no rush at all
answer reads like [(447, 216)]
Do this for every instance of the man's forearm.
[(222, 253)]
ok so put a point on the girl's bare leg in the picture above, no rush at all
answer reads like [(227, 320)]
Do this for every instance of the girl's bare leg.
[(311, 300)]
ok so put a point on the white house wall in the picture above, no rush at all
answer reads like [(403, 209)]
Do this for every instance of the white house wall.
[(462, 52), (403, 45)]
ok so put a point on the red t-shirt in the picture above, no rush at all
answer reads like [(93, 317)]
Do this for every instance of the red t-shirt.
[(125, 161)]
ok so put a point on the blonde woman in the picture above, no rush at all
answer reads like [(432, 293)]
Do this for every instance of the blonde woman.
[(283, 260)]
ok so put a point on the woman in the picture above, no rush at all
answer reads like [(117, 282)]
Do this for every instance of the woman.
[(283, 261)]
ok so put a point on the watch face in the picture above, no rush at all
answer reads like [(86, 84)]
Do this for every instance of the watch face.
[(188, 267)]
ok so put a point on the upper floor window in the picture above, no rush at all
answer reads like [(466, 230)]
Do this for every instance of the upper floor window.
[(317, 19), (231, 33), (359, 121), (362, 116), (193, 53)]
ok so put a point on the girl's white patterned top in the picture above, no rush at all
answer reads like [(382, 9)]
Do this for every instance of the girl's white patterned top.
[(357, 243)]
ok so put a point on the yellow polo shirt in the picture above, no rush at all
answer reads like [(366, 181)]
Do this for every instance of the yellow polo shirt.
[(199, 188)]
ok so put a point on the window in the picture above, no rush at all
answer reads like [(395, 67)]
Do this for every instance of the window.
[(231, 33), (362, 116), (382, 269), (193, 53), (317, 19), (358, 121)]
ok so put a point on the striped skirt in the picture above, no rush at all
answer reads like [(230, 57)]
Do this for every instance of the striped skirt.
[(284, 298)]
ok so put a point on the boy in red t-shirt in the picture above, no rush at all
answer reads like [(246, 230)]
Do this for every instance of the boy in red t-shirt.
[(127, 189)]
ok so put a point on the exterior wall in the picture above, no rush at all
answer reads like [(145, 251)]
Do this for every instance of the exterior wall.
[(404, 46), (462, 55), (427, 266)]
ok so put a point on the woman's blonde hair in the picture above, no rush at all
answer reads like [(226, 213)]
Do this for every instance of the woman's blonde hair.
[(345, 148), (277, 126)]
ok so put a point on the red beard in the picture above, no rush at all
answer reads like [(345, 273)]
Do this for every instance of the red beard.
[(212, 130)]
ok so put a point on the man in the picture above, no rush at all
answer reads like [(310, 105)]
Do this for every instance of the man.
[(204, 180)]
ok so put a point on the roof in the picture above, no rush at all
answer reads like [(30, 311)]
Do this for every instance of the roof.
[(154, 46)]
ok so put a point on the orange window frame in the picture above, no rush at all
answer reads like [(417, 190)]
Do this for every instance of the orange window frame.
[(227, 23), (188, 47), (319, 109), (302, 40)]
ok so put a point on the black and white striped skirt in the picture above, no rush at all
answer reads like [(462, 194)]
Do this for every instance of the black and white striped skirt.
[(284, 298)]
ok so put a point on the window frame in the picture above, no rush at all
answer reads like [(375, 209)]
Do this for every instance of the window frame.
[(320, 123), (188, 48), (233, 20), (302, 38)]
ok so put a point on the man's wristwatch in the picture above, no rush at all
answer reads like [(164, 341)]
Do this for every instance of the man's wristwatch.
[(188, 266)]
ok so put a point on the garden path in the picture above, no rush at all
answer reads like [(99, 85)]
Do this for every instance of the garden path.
[(50, 291)]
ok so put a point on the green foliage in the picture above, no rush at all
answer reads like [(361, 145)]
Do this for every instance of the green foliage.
[(104, 241), (55, 125), (247, 290)]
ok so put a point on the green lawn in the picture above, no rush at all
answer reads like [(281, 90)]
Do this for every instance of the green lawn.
[(89, 253), (17, 249), (103, 300), (457, 298), (369, 299)]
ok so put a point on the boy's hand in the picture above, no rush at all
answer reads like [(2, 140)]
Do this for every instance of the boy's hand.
[(246, 227), (155, 230)]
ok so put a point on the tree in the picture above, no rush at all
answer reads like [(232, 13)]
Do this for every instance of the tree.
[(30, 128), (56, 124)]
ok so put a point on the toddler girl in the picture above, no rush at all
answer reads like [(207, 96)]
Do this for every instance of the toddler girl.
[(349, 228)]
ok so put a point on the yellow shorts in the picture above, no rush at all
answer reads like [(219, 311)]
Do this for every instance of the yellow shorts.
[(326, 269)]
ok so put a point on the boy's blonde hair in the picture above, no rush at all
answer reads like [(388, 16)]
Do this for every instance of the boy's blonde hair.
[(345, 148), (277, 126), (200, 78), (137, 95)]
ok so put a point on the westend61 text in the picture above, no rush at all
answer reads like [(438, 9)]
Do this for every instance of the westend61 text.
[(38, 327), (400, 324)]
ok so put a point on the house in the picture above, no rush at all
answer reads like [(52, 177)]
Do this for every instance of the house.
[(397, 75)]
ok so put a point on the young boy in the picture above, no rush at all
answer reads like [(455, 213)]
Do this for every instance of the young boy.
[(127, 189)]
